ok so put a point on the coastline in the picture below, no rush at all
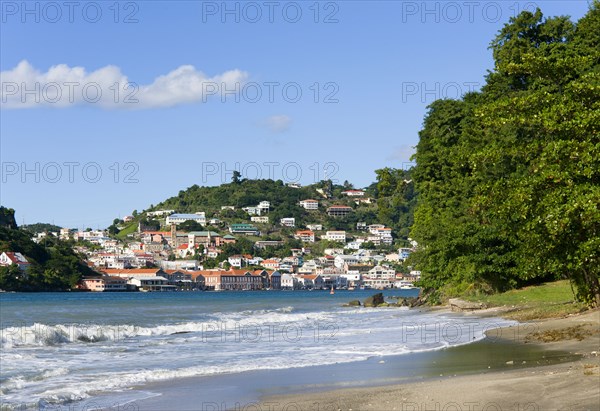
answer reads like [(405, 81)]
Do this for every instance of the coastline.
[(502, 370), (572, 385)]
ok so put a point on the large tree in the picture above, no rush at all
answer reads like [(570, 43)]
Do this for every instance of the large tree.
[(509, 177)]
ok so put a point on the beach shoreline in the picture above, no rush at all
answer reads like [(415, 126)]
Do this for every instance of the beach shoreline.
[(496, 373), (571, 385)]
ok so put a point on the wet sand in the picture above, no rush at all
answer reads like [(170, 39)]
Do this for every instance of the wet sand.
[(507, 371), (571, 385)]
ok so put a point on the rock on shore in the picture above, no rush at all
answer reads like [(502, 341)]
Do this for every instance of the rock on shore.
[(457, 304), (374, 301)]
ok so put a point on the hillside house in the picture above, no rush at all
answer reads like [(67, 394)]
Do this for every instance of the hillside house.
[(309, 204), (8, 258), (339, 211)]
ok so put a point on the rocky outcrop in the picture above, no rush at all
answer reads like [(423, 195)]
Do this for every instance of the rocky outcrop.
[(353, 303), (377, 300), (456, 304), (374, 301)]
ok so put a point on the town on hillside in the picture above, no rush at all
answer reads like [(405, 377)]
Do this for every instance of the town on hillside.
[(245, 248)]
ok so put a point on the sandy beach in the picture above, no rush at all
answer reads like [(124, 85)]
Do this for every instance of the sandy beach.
[(573, 385)]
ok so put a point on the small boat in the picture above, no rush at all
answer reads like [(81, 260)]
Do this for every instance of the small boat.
[(332, 292), (406, 285)]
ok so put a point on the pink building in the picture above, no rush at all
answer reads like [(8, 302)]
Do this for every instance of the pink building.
[(104, 283)]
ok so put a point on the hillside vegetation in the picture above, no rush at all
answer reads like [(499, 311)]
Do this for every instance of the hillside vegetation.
[(54, 264), (393, 204)]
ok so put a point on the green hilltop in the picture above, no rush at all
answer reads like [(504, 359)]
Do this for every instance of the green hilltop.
[(392, 203)]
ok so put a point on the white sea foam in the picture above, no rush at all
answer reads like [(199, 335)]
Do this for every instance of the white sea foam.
[(51, 335), (56, 364)]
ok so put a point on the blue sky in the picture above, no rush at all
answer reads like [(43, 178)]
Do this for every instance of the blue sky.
[(213, 86)]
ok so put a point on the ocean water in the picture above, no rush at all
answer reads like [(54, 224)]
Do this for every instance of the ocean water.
[(58, 349)]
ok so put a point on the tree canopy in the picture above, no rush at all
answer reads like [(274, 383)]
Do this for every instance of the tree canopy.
[(54, 264), (508, 178)]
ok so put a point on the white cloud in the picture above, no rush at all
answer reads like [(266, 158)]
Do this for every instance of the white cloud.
[(279, 123), (63, 86)]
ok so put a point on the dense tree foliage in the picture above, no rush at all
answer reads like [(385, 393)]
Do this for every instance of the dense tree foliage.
[(508, 178), (393, 203), (54, 264), (41, 228), (189, 226), (7, 218), (396, 199), (241, 193)]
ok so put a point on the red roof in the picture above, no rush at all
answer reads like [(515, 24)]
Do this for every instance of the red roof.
[(130, 271), (111, 278), (163, 233), (237, 272), (16, 258)]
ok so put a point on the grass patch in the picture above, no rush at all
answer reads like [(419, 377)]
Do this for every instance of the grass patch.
[(549, 300), (130, 229)]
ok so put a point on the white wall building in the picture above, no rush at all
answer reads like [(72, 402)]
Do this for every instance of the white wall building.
[(159, 213), (353, 278), (339, 236), (236, 260), (354, 245), (354, 193), (305, 235), (289, 281), (264, 206), (342, 260), (199, 217), (260, 219), (252, 210), (288, 222), (309, 204), (380, 277)]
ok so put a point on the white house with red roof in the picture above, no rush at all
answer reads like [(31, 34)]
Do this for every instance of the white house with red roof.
[(8, 258), (306, 236), (184, 250)]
